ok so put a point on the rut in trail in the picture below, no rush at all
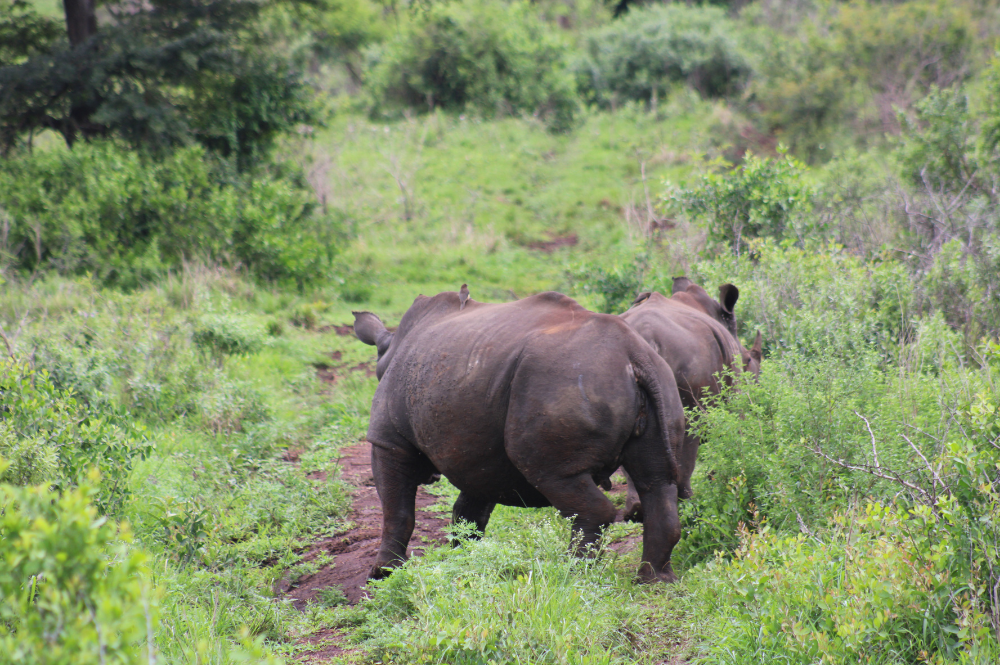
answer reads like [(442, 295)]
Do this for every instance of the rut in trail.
[(354, 550)]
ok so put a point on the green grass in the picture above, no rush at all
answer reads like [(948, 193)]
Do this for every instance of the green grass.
[(481, 193)]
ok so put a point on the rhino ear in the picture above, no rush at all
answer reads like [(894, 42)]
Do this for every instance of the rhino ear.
[(681, 284), (755, 351), (728, 295), (370, 330)]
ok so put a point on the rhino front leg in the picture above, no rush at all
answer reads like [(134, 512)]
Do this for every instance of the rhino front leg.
[(470, 509), (397, 473), (633, 505)]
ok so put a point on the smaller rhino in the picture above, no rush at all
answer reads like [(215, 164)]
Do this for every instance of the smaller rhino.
[(696, 335)]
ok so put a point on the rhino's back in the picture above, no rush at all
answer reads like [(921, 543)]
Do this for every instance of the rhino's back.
[(694, 345), (448, 388)]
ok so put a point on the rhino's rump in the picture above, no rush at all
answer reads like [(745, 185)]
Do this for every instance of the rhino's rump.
[(496, 395)]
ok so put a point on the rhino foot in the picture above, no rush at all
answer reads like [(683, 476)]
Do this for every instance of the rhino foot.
[(633, 513), (647, 576)]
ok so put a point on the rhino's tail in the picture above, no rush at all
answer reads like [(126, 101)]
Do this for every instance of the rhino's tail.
[(654, 375)]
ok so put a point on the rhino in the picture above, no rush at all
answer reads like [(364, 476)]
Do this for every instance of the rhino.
[(696, 335), (529, 403)]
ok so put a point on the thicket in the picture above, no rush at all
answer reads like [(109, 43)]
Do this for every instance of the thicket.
[(126, 217), (72, 590), (171, 111), (494, 59), (649, 50)]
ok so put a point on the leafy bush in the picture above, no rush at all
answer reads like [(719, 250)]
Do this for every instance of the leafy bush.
[(761, 198), (639, 56), (48, 436), (912, 577), (71, 586), (100, 209), (221, 335), (617, 285), (495, 58)]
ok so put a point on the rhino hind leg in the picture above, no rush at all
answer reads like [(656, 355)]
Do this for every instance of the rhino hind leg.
[(397, 472), (657, 501), (474, 511), (580, 499)]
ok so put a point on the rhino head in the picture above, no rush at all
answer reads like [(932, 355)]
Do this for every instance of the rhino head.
[(722, 310)]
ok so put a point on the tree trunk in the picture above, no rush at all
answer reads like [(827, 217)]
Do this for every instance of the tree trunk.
[(81, 25), (81, 20)]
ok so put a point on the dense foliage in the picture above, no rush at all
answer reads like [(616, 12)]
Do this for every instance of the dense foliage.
[(121, 216), (642, 55), (493, 58)]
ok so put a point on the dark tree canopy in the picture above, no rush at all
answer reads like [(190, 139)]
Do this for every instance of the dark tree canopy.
[(156, 73)]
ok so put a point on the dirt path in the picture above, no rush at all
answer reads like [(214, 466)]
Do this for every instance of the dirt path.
[(354, 550)]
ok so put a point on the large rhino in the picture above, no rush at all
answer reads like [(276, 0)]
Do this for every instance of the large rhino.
[(528, 403), (696, 335)]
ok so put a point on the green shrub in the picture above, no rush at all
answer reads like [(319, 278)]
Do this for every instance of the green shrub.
[(910, 578), (641, 55), (494, 58), (760, 198), (617, 285), (50, 437), (222, 335), (102, 210), (71, 586)]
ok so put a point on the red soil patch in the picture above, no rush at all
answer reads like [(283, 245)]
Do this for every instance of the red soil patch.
[(330, 373), (549, 246), (354, 550)]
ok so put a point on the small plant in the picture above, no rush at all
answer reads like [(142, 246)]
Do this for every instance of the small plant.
[(761, 198), (232, 406), (307, 316), (184, 527), (331, 596), (617, 285), (222, 335), (275, 328), (72, 587)]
